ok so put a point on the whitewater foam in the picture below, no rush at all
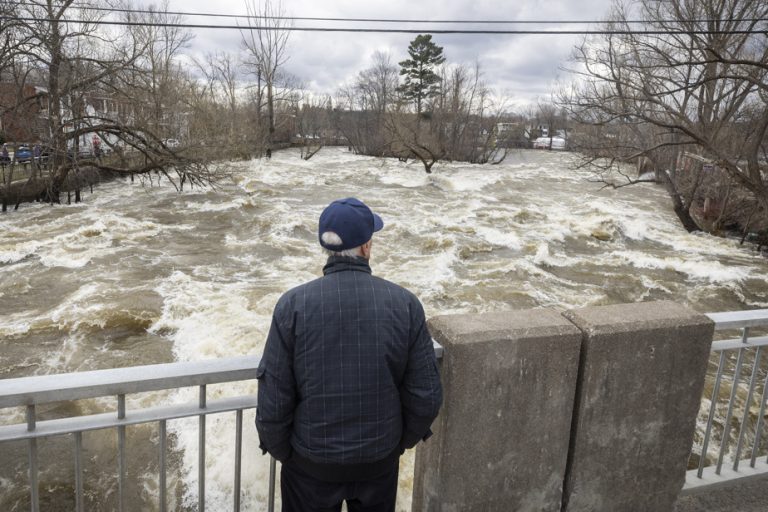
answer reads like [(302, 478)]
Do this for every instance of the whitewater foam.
[(699, 269), (202, 270)]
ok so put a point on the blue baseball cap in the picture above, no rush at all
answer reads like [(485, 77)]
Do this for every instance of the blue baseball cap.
[(351, 220)]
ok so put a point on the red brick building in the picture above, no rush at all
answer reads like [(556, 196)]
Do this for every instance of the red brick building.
[(23, 112)]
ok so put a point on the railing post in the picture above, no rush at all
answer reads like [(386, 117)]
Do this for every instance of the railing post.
[(641, 378), (759, 428), (201, 453), (238, 456), (725, 441), (711, 416), (32, 453), (162, 480), (748, 405), (79, 506), (501, 439), (121, 463), (272, 473)]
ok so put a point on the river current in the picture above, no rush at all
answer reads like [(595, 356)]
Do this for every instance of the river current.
[(140, 274)]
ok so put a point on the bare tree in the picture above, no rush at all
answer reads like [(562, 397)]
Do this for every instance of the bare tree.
[(313, 123), (694, 81), (265, 42), (13, 38), (220, 100), (550, 115), (158, 70), (412, 139), (373, 95), (456, 121), (81, 61), (225, 66), (466, 115), (377, 85)]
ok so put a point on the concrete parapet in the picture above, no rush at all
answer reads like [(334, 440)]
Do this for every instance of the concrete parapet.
[(641, 377), (501, 440)]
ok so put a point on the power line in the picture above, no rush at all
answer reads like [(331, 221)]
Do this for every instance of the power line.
[(388, 20), (383, 30)]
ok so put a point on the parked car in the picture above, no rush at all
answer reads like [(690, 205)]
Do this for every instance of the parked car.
[(544, 143), (172, 143), (22, 154)]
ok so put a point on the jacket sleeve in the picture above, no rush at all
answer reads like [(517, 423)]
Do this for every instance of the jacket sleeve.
[(277, 390), (421, 393)]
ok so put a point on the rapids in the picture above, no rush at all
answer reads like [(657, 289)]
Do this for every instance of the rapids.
[(140, 275)]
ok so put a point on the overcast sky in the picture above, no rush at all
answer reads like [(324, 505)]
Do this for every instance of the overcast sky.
[(520, 67)]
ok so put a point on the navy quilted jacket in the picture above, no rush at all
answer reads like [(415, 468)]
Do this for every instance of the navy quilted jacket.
[(349, 373)]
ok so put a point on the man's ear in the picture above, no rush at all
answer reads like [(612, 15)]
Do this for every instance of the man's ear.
[(366, 249)]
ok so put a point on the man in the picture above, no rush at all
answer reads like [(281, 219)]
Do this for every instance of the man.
[(348, 380)]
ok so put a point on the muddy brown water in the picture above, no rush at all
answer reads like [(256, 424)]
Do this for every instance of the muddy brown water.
[(140, 275)]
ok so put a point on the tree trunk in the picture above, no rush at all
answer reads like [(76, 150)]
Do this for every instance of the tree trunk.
[(52, 193), (270, 111), (683, 213), (745, 231), (59, 149)]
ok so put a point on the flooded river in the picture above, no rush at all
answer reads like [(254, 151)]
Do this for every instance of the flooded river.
[(140, 275)]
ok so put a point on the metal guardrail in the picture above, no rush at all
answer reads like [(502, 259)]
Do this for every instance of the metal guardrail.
[(30, 392), (747, 350)]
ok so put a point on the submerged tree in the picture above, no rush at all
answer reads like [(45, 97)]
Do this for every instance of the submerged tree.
[(463, 113), (368, 101)]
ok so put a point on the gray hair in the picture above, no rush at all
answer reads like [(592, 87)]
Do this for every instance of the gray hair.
[(331, 238)]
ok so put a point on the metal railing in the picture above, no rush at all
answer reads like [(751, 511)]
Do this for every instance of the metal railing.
[(31, 392), (734, 356)]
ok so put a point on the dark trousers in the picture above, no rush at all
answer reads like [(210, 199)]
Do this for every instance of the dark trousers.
[(304, 493)]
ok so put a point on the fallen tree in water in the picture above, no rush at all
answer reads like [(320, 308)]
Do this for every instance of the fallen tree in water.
[(47, 181)]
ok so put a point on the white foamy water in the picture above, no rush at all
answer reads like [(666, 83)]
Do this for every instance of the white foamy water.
[(142, 275)]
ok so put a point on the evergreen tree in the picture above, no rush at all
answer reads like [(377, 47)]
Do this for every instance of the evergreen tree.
[(421, 81)]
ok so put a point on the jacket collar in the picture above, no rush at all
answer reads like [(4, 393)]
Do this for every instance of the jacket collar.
[(341, 263)]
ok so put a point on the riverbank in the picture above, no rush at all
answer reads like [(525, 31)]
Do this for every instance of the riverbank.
[(29, 182), (33, 187)]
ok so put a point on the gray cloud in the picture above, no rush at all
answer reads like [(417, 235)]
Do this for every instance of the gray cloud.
[(523, 66)]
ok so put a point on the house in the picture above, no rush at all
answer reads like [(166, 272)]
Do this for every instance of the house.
[(24, 116), (23, 112)]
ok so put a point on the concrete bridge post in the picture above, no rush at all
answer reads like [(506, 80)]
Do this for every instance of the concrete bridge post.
[(501, 440), (641, 379), (593, 410)]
